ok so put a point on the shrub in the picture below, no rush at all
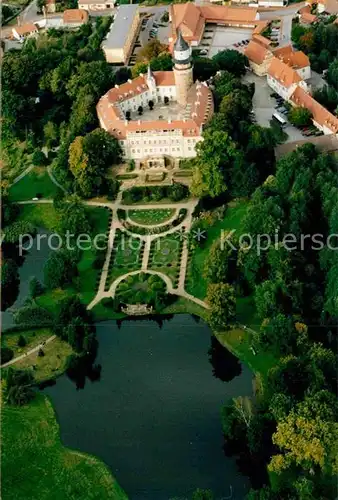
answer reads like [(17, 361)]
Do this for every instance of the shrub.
[(35, 288), (39, 158), (6, 355), (41, 353), (21, 341)]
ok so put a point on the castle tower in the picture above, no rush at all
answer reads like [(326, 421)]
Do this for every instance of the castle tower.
[(182, 69), (151, 82)]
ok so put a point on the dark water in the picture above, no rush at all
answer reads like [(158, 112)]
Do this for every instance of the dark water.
[(154, 415), (33, 264)]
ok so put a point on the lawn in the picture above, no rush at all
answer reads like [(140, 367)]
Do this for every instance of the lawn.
[(196, 283), (33, 338), (36, 183), (52, 364), (238, 341), (150, 217), (36, 465), (40, 215)]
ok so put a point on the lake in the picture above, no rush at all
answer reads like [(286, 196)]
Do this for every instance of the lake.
[(33, 264), (153, 414)]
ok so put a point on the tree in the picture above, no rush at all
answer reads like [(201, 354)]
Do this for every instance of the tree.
[(36, 288), (39, 158), (18, 386), (140, 110), (74, 217), (222, 301), (215, 156), (309, 436), (122, 75), (74, 324), (6, 354), (300, 117), (332, 74), (204, 68), (128, 115), (232, 61), (50, 131), (200, 494), (60, 269), (89, 159), (151, 104), (220, 265), (21, 341), (151, 50), (166, 99), (96, 76), (9, 283)]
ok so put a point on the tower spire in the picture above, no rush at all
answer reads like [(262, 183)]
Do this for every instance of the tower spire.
[(182, 68)]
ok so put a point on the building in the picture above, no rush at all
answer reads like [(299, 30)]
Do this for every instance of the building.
[(172, 129), (73, 18), (305, 16), (118, 44), (259, 57), (191, 19), (329, 6), (325, 143), (96, 4), (321, 117), (24, 31), (283, 79), (295, 59), (50, 7)]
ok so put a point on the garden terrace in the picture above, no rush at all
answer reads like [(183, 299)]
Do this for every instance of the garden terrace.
[(165, 255), (126, 256)]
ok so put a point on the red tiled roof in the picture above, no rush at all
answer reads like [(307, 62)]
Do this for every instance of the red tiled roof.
[(295, 59), (75, 16), (199, 101), (256, 53), (283, 73), (320, 115), (25, 29)]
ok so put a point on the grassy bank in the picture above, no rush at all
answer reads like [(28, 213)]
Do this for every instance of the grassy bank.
[(233, 219), (35, 465)]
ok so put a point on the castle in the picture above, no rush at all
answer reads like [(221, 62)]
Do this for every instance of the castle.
[(159, 116)]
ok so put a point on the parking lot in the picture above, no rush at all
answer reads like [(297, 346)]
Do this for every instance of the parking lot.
[(217, 38), (264, 106)]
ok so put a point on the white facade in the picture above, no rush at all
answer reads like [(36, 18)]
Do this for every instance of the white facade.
[(92, 5), (280, 89), (304, 73), (139, 145)]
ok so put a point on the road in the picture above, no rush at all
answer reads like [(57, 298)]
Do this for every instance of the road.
[(286, 14)]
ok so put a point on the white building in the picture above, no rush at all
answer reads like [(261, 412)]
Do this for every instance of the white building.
[(283, 79), (24, 31), (93, 5), (173, 127)]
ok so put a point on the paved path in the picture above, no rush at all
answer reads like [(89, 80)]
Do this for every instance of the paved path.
[(53, 179), (28, 353), (23, 174), (102, 292)]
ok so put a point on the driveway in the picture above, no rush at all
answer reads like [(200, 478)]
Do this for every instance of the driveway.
[(264, 106)]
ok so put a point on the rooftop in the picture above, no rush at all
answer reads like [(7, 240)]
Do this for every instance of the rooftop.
[(25, 28), (283, 73), (75, 16), (319, 113), (327, 143), (120, 28), (189, 120), (256, 52), (295, 59)]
